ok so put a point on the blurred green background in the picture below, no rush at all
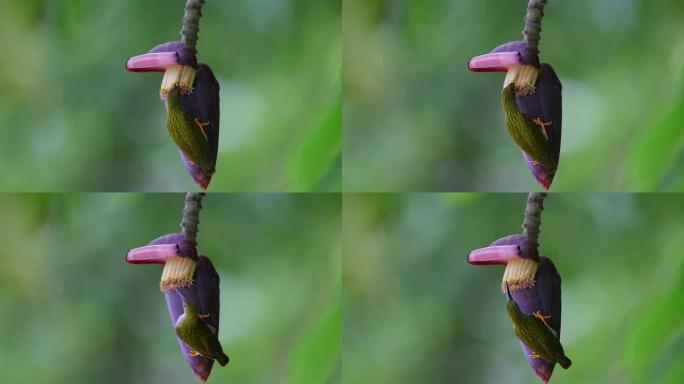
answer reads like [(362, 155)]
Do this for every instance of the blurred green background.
[(416, 312), (73, 119), (416, 119), (73, 311)]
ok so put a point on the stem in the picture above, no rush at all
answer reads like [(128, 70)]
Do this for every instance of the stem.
[(191, 211), (191, 18), (533, 20), (533, 211)]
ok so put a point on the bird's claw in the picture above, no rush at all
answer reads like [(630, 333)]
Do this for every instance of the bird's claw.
[(535, 356), (201, 126), (201, 316), (194, 353), (541, 317), (542, 125)]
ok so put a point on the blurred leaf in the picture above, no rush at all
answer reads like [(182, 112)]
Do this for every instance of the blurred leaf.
[(317, 357), (655, 347), (317, 152), (658, 157), (319, 350)]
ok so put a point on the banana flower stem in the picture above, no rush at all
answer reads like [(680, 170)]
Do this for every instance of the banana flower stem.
[(191, 18), (191, 211), (533, 211), (533, 20)]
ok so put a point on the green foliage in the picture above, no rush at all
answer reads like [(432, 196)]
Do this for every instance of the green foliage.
[(318, 153), (317, 359), (657, 159)]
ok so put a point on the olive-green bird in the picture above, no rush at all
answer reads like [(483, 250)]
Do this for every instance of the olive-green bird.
[(541, 339), (198, 335), (530, 134), (188, 134)]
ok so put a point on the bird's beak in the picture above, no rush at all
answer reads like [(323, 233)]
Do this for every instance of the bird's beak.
[(152, 254), (496, 254), (494, 62), (152, 62), (508, 293)]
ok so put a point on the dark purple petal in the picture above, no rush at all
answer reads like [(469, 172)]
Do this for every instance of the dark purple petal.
[(546, 104), (203, 103), (549, 287), (207, 284)]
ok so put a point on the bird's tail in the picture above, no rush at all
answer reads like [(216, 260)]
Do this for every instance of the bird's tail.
[(565, 362), (223, 359)]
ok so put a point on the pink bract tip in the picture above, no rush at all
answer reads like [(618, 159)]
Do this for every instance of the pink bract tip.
[(151, 62), (494, 62), (497, 254), (152, 254)]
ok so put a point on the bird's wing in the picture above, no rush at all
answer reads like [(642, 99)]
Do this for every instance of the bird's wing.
[(540, 339), (205, 342), (549, 288), (207, 285)]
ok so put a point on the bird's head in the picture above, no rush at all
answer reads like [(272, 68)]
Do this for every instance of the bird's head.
[(516, 58), (188, 306), (177, 60)]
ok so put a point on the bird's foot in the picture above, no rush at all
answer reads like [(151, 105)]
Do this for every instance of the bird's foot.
[(542, 125), (200, 124), (194, 353), (541, 317), (201, 316), (535, 356)]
